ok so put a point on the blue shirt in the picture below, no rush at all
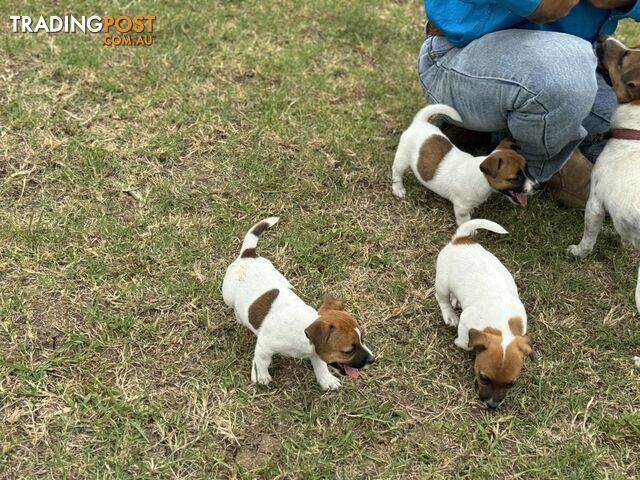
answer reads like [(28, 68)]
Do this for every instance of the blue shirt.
[(462, 21)]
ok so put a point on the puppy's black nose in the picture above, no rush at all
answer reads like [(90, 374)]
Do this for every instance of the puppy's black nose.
[(371, 359), (492, 404)]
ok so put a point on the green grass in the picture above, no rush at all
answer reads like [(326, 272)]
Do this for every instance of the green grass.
[(128, 177)]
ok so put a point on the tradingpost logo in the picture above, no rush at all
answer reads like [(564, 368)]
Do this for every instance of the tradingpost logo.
[(122, 30)]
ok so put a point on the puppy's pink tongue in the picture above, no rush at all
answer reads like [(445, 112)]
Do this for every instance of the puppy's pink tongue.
[(351, 372), (522, 199)]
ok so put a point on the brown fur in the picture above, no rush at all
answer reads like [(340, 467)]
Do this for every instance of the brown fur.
[(501, 369), (515, 325), (249, 253), (258, 229), (260, 307), (432, 151), (502, 166), (466, 240), (333, 334), (623, 65)]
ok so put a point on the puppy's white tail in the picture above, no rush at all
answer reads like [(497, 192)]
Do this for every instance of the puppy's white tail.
[(430, 111), (250, 242), (467, 229)]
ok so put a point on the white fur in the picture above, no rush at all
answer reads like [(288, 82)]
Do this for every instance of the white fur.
[(458, 177), (282, 330), (482, 286), (615, 189)]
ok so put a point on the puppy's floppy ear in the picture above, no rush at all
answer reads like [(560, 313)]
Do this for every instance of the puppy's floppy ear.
[(319, 332), (632, 81), (524, 345), (477, 340), (331, 303), (491, 165)]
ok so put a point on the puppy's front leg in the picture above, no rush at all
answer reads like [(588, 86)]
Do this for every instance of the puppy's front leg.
[(463, 214), (323, 375), (593, 218), (260, 366), (400, 165)]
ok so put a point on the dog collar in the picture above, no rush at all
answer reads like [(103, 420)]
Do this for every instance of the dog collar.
[(624, 134)]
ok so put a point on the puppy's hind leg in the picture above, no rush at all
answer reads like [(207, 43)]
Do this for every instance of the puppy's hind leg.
[(593, 218), (443, 296), (400, 166), (260, 365), (463, 214)]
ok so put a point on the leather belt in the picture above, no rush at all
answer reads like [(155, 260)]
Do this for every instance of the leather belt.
[(431, 30)]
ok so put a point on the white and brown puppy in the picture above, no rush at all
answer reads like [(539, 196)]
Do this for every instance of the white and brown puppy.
[(493, 321), (463, 179), (615, 179), (264, 302)]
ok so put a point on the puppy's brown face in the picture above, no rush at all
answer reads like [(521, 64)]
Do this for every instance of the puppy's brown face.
[(338, 339), (620, 67), (497, 368), (506, 171)]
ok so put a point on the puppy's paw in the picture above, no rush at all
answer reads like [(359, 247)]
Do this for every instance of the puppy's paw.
[(451, 319), (330, 383), (261, 378), (462, 344), (578, 251), (398, 190)]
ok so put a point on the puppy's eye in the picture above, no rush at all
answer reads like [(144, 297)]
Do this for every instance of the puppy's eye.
[(351, 350), (484, 379)]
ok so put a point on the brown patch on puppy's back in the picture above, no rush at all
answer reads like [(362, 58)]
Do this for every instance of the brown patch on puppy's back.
[(249, 253), (432, 151), (260, 307), (466, 240)]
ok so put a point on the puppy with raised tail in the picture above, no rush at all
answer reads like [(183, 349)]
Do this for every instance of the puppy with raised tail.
[(493, 321), (263, 301), (465, 180), (615, 179)]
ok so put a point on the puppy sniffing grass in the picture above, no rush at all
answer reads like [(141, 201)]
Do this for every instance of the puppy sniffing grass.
[(463, 179), (263, 301), (493, 322)]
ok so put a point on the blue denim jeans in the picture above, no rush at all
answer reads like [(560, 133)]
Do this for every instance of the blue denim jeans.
[(541, 87)]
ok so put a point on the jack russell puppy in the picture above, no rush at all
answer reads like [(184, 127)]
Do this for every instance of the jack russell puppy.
[(615, 179), (264, 302), (463, 179), (493, 321)]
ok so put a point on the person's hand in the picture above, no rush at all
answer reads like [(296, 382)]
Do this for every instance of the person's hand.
[(611, 4), (550, 10)]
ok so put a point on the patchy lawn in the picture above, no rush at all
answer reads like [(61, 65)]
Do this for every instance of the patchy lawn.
[(128, 177)]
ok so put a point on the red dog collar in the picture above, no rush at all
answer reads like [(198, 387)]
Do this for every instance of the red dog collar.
[(624, 134)]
